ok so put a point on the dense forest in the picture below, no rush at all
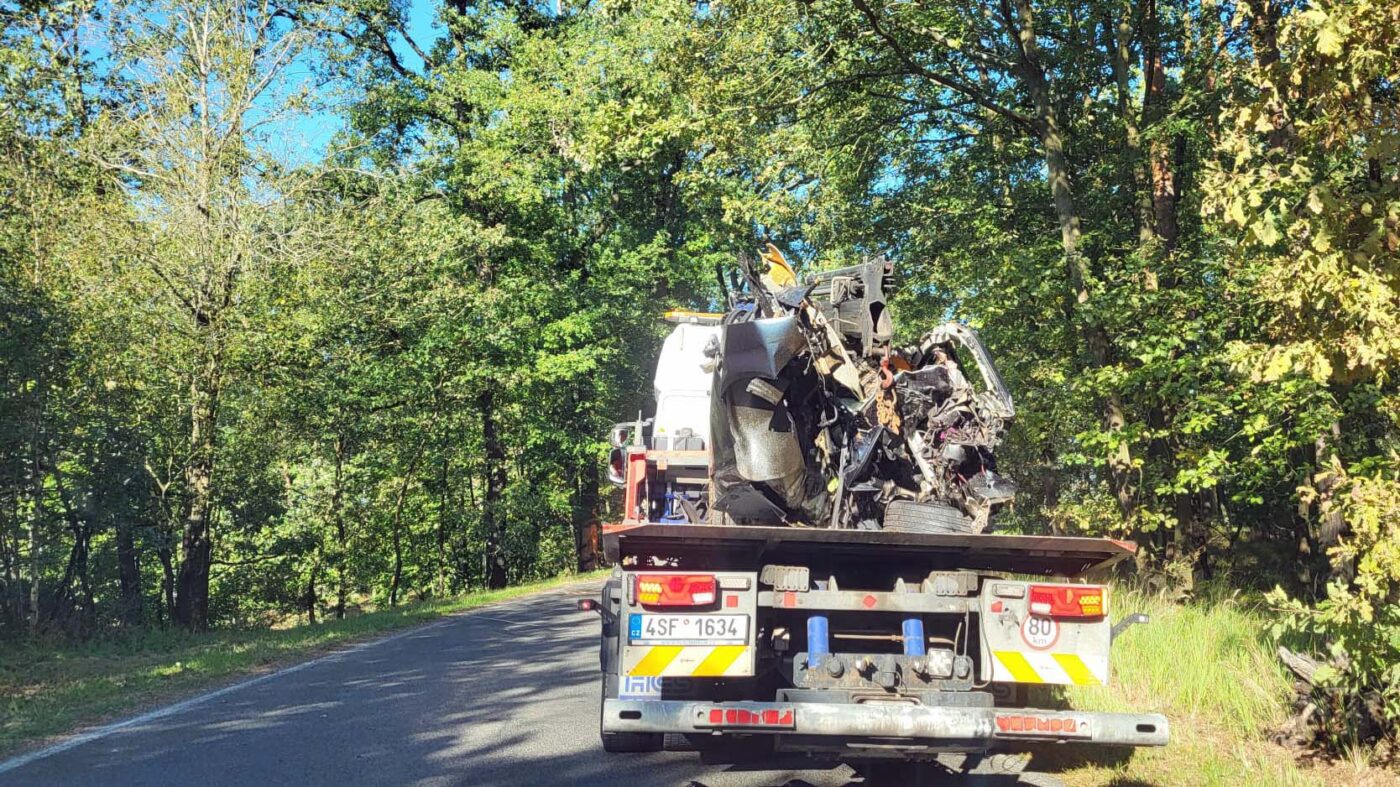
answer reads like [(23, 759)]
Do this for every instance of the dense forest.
[(308, 305)]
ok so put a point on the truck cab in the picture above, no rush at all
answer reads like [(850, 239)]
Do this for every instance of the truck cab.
[(663, 462)]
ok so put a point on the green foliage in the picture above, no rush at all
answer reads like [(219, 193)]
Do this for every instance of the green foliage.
[(385, 374), (1306, 189), (1357, 689)]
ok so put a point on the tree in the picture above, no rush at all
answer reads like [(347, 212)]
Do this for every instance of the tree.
[(207, 82), (1307, 189)]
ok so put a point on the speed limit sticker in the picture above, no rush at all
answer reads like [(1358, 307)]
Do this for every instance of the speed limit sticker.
[(1040, 633)]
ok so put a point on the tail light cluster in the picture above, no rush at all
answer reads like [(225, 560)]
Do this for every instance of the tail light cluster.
[(1069, 601), (675, 590)]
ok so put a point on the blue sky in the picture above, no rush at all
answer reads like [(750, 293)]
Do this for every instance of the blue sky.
[(306, 138)]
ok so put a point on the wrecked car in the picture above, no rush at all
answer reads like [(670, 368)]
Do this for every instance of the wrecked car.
[(818, 417)]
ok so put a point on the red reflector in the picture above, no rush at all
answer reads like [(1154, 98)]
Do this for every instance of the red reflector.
[(731, 601), (1068, 601), (1039, 725), (776, 717), (677, 590), (869, 601)]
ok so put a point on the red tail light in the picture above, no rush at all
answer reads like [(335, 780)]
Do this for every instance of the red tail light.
[(676, 590), (1069, 601)]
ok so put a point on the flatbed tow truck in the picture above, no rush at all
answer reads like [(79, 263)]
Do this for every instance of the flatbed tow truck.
[(885, 649)]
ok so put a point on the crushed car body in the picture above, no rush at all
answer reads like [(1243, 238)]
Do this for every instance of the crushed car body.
[(819, 419)]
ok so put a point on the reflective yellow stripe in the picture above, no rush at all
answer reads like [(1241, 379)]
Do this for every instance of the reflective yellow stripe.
[(1020, 669), (719, 660), (1075, 669), (656, 661)]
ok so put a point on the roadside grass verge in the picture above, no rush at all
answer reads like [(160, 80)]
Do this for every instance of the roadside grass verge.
[(51, 689), (1209, 665)]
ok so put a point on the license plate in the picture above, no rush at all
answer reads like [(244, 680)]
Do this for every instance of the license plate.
[(688, 629)]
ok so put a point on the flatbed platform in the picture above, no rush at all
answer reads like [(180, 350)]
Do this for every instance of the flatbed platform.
[(1065, 556)]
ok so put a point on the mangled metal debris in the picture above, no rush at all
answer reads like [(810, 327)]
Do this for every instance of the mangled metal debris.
[(819, 419)]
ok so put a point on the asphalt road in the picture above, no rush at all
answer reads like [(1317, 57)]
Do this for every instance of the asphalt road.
[(505, 695)]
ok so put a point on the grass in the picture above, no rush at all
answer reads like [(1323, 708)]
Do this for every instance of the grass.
[(51, 689), (1210, 667)]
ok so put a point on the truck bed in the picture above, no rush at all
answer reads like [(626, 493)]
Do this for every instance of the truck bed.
[(1064, 556)]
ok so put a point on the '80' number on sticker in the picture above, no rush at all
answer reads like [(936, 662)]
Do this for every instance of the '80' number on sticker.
[(1039, 632)]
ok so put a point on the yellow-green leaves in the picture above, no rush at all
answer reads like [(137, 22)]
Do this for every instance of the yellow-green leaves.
[(1306, 213)]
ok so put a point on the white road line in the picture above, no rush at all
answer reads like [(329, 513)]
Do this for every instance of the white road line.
[(517, 623), (98, 733)]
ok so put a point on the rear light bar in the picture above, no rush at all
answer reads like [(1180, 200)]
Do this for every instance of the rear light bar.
[(676, 590), (781, 717), (1069, 601)]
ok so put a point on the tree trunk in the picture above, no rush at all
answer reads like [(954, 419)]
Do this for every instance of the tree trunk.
[(1119, 44), (1160, 150), (444, 505), (1189, 543), (159, 514), (493, 516), (1263, 29), (398, 527), (341, 555), (129, 607), (1062, 196), (36, 544), (167, 584), (1331, 525), (192, 582), (311, 598), (66, 600), (585, 510), (8, 605)]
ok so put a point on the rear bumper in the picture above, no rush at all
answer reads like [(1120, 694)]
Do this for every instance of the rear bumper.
[(888, 722)]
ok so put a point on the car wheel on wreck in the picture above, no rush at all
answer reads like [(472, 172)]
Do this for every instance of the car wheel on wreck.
[(906, 516)]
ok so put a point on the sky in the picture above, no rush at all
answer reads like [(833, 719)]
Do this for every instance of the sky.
[(304, 139)]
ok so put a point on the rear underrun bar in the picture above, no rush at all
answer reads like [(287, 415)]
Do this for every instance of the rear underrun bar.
[(890, 722)]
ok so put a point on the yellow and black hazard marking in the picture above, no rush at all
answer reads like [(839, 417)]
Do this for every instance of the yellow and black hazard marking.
[(693, 661), (1060, 668)]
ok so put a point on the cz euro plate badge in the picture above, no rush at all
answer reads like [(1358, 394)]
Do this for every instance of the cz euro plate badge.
[(646, 629)]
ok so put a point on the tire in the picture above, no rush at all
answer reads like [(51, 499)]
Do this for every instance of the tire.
[(904, 516)]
